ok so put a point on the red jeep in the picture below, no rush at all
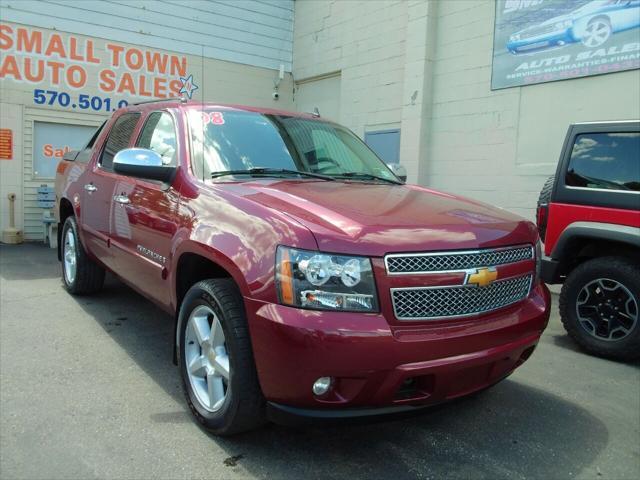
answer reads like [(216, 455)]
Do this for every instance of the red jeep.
[(589, 218), (305, 277)]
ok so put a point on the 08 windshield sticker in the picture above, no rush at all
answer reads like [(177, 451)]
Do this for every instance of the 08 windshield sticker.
[(213, 117)]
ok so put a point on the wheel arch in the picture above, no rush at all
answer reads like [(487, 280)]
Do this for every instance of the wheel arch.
[(65, 211), (582, 240), (195, 262), (581, 24)]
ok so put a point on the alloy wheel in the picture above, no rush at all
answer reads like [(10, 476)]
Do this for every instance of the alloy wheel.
[(596, 33), (207, 360), (70, 258), (606, 309)]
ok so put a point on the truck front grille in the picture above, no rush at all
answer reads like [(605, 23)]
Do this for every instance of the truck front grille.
[(413, 263), (426, 303)]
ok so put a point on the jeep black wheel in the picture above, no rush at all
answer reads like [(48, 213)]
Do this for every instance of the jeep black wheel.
[(216, 360), (80, 274), (600, 308)]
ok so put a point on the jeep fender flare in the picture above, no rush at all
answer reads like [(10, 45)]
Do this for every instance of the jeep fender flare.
[(598, 231)]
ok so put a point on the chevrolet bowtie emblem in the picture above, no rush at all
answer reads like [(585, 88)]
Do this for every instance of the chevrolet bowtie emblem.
[(481, 277)]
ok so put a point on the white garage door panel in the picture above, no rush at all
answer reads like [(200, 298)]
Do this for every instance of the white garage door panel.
[(323, 94)]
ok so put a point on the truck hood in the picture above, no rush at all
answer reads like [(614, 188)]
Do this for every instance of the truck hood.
[(376, 219)]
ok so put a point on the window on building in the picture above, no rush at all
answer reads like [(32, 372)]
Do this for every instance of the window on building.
[(608, 161), (386, 144), (119, 138), (159, 135)]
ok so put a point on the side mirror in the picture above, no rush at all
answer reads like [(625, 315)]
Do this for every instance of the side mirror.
[(398, 170), (71, 155), (142, 163)]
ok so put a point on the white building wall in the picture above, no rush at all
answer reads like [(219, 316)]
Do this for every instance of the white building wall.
[(425, 67), (250, 32), (363, 41), (500, 146)]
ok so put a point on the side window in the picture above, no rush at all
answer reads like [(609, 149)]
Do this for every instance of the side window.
[(119, 138), (159, 135), (608, 161)]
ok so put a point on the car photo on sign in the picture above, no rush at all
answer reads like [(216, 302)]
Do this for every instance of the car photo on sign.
[(542, 41), (591, 24)]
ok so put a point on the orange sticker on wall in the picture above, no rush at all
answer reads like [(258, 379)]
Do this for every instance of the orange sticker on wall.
[(6, 144)]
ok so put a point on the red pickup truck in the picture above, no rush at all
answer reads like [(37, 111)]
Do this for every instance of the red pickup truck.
[(305, 277)]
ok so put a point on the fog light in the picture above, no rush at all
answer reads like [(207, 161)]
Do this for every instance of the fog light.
[(322, 385)]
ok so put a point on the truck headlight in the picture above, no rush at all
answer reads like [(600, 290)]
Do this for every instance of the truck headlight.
[(324, 281)]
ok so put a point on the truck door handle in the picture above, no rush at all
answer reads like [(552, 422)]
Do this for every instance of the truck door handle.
[(123, 199), (90, 187)]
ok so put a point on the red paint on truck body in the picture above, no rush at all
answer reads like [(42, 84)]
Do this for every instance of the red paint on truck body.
[(238, 225)]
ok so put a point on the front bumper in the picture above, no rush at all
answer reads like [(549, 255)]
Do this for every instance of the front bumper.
[(379, 365), (542, 42)]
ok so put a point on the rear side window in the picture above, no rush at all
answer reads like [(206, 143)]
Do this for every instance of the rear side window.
[(119, 138), (159, 135), (609, 161)]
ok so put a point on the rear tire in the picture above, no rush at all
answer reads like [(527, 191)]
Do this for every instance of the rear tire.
[(216, 359), (612, 284), (80, 274)]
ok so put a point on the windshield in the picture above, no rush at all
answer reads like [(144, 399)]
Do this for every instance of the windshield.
[(224, 140)]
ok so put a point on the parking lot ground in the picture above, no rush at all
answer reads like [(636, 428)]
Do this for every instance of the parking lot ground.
[(88, 390)]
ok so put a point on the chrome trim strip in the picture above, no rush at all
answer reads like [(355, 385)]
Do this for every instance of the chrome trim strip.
[(615, 190), (449, 317), (443, 253)]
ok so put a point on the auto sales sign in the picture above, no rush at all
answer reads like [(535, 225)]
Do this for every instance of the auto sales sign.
[(539, 41), (78, 72)]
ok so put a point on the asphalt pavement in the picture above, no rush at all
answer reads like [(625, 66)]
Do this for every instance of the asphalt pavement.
[(88, 390)]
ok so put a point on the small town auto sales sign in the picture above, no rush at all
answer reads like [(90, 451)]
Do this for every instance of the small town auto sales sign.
[(539, 41), (67, 70)]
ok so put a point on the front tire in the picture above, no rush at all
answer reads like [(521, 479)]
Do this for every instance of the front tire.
[(216, 362), (598, 31), (80, 274), (599, 307)]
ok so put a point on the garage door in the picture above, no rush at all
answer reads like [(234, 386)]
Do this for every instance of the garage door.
[(323, 94)]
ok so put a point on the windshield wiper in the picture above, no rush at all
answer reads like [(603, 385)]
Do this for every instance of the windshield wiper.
[(262, 171), (367, 176)]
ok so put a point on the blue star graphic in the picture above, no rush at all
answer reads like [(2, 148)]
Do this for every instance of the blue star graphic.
[(188, 86)]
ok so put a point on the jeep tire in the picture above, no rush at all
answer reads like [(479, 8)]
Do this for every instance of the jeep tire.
[(598, 299)]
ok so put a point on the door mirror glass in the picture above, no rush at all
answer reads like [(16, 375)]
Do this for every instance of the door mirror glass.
[(142, 163), (398, 170)]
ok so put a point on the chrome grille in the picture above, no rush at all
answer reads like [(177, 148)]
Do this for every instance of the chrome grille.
[(538, 30), (455, 261), (455, 301)]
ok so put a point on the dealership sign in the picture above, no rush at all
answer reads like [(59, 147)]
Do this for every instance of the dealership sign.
[(546, 40), (66, 70)]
